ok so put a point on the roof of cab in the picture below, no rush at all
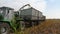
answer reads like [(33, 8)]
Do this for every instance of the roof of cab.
[(6, 8)]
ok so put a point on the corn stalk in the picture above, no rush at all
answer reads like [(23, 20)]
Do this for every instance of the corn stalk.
[(14, 25)]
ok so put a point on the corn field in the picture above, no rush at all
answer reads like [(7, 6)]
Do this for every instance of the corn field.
[(50, 26)]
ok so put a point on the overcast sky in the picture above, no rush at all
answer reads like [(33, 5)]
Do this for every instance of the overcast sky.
[(50, 8)]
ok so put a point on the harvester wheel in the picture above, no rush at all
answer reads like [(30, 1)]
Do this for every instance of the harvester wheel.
[(4, 28)]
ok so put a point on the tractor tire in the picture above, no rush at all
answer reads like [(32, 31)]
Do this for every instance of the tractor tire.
[(4, 28)]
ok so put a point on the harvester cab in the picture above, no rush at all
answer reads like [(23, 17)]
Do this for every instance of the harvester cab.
[(5, 18)]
